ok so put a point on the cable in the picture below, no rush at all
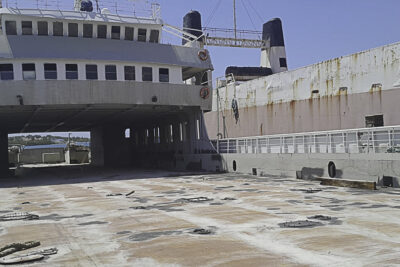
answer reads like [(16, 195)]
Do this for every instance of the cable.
[(255, 10), (248, 14), (209, 19)]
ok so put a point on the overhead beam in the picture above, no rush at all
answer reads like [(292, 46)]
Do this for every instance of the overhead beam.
[(108, 119), (29, 121), (63, 122)]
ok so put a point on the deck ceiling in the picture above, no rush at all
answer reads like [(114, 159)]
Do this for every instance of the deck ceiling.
[(30, 119)]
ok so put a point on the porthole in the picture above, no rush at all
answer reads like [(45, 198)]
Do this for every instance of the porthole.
[(331, 169)]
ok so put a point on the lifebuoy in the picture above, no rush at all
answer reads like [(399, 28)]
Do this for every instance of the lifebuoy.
[(204, 92), (203, 55)]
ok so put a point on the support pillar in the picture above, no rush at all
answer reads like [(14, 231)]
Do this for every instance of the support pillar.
[(4, 165), (97, 147)]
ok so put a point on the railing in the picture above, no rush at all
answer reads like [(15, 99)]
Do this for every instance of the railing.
[(363, 140), (120, 7)]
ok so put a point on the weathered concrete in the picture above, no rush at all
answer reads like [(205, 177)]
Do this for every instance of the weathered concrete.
[(155, 226), (365, 167), (4, 165)]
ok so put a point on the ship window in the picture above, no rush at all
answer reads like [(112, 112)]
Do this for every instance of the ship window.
[(142, 35), (50, 71), (111, 72), (87, 30), (129, 33), (91, 72), (29, 71), (6, 72), (115, 32), (58, 29), (282, 62), (374, 121), (102, 31), (11, 28), (147, 74), (71, 71), (163, 75), (154, 36), (129, 73), (43, 28), (73, 29), (26, 27)]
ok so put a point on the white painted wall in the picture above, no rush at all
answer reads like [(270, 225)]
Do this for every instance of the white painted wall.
[(175, 72), (368, 71), (19, 19)]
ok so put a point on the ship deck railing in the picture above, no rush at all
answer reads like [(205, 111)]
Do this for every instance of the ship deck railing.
[(124, 8), (361, 140)]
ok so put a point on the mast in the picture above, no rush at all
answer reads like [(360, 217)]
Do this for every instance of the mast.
[(234, 17)]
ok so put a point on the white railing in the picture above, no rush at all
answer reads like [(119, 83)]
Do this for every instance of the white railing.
[(363, 140), (119, 7)]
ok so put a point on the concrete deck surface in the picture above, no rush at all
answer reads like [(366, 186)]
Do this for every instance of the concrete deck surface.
[(154, 225)]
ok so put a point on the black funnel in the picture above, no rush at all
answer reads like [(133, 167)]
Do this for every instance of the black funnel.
[(192, 20), (273, 33)]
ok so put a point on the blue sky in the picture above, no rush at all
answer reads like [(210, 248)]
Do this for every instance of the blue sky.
[(314, 30)]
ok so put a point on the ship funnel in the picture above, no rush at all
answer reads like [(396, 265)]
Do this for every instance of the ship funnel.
[(192, 25), (273, 55)]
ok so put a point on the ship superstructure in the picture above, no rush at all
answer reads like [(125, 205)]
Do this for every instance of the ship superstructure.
[(90, 70), (338, 114)]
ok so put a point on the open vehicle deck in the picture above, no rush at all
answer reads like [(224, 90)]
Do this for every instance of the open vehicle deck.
[(90, 217)]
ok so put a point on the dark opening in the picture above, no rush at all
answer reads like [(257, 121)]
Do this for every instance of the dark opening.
[(154, 36), (73, 29), (91, 72), (154, 99), (129, 73), (254, 171), (163, 75), (111, 72), (26, 27), (6, 72), (50, 71), (142, 33), (147, 74), (234, 165), (87, 30), (58, 29), (315, 91), (102, 31), (374, 121), (71, 71), (282, 62), (387, 181), (331, 169), (115, 32), (129, 33), (11, 28), (43, 28)]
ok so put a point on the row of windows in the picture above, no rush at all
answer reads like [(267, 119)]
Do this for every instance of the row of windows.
[(71, 72), (58, 30)]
